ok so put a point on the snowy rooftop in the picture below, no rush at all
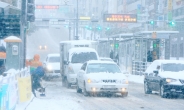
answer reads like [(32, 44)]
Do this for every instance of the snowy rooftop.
[(12, 39)]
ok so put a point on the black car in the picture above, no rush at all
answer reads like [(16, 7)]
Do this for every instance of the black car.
[(165, 77)]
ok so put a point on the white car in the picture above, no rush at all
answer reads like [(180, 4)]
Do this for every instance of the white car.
[(165, 77), (52, 65), (101, 77)]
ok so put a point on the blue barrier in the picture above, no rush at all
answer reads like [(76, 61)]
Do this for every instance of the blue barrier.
[(4, 98)]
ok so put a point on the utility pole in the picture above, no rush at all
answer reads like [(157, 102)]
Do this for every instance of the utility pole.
[(23, 34), (77, 21)]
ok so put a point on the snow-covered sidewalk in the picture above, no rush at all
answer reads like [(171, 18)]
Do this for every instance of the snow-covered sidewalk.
[(23, 106), (136, 78)]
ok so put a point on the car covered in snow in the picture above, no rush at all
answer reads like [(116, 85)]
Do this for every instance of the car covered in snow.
[(106, 59), (165, 77), (52, 65), (101, 77)]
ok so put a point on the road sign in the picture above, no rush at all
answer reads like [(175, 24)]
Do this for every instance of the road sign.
[(47, 6), (127, 18)]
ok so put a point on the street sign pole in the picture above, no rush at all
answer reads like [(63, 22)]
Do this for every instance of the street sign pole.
[(23, 34), (77, 21)]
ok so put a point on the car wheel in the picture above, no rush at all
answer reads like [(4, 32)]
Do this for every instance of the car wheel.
[(146, 88), (85, 93), (79, 90), (162, 92), (125, 94)]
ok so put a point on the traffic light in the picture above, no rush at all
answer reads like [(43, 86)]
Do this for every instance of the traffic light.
[(151, 22), (171, 23), (116, 45), (10, 25), (87, 27), (31, 10), (99, 28), (107, 28)]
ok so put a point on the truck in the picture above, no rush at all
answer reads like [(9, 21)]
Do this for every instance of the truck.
[(72, 55)]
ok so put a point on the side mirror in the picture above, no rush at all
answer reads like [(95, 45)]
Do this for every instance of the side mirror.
[(155, 71)]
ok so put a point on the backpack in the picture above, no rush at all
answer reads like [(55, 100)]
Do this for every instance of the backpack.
[(39, 71)]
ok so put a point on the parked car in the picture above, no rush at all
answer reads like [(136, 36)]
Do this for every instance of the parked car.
[(165, 77), (52, 66), (98, 76), (106, 59)]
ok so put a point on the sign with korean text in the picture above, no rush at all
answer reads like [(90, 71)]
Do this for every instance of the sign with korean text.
[(47, 6), (126, 18)]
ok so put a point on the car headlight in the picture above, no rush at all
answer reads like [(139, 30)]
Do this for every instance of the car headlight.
[(93, 81), (49, 67), (45, 47), (168, 80)]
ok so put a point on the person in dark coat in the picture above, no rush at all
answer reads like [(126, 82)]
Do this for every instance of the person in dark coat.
[(111, 54), (36, 76)]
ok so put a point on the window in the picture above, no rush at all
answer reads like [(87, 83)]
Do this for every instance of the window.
[(173, 67), (103, 67), (54, 59), (83, 57)]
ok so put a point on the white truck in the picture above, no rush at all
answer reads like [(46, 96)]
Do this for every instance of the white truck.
[(72, 55)]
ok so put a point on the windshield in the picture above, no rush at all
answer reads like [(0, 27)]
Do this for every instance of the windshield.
[(54, 59), (103, 67), (83, 57), (173, 67)]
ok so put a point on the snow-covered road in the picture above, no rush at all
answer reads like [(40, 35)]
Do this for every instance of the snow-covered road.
[(61, 98)]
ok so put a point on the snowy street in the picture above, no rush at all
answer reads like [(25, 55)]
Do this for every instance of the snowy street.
[(61, 98)]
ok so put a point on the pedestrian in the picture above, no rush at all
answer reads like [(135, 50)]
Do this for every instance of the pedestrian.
[(111, 54), (117, 58), (36, 77)]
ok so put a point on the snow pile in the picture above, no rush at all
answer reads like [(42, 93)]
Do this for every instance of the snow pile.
[(57, 103), (136, 78), (23, 106)]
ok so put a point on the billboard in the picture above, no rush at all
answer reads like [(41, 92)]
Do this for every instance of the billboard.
[(126, 18)]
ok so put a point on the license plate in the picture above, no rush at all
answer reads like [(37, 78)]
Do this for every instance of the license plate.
[(109, 86)]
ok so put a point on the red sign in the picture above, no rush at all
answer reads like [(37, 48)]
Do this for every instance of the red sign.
[(127, 18), (47, 6)]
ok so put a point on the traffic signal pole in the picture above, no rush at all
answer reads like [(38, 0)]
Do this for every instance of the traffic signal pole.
[(77, 21), (22, 49)]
